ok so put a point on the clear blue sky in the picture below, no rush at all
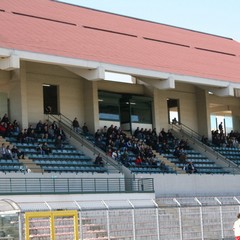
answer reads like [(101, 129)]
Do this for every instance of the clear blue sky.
[(220, 17)]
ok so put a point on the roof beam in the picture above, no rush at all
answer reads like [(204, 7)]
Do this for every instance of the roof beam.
[(223, 92), (89, 74), (10, 63), (168, 83)]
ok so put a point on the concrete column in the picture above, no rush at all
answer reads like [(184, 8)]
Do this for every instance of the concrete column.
[(91, 110), (18, 96), (235, 117), (203, 113)]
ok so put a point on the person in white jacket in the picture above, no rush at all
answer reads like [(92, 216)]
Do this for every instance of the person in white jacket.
[(236, 227)]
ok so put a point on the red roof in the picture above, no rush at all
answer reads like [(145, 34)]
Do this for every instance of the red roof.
[(54, 28)]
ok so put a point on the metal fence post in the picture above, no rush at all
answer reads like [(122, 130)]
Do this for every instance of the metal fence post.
[(201, 217), (157, 219), (221, 217), (108, 222), (180, 218), (133, 220)]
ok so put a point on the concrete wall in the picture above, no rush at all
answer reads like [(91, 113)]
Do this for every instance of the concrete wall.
[(194, 185)]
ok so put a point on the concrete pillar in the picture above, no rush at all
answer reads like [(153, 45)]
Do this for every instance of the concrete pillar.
[(18, 96), (235, 117), (203, 113), (91, 110)]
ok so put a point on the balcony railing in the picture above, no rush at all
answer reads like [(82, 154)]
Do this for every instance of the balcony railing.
[(75, 185)]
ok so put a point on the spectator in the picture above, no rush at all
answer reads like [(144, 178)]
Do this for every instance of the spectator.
[(98, 161), (46, 149), (220, 127), (76, 126), (40, 149), (236, 227), (138, 160), (59, 143), (190, 168), (17, 153), (3, 151), (39, 127), (8, 154), (85, 129)]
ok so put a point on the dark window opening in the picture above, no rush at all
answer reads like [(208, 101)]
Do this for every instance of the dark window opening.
[(50, 99)]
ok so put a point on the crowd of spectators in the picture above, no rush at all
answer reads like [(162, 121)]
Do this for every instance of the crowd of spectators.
[(230, 140), (137, 148), (141, 143), (43, 130)]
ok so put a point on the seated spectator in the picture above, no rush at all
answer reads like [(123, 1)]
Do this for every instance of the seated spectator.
[(3, 151), (138, 160), (17, 153), (58, 142), (174, 121), (39, 149), (104, 131), (31, 137), (204, 140), (114, 155), (54, 126), (48, 109), (39, 127), (44, 132), (16, 128), (5, 118), (163, 166), (8, 154), (3, 128), (190, 168), (76, 126), (99, 161), (61, 133), (46, 149), (51, 133), (85, 129)]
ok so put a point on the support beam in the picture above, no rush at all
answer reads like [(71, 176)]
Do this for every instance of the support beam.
[(223, 92), (168, 83), (89, 74), (10, 63)]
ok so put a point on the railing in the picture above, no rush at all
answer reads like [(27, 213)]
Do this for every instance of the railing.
[(74, 185), (196, 139), (66, 124)]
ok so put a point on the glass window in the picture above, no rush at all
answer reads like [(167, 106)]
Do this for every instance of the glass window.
[(108, 107), (141, 112)]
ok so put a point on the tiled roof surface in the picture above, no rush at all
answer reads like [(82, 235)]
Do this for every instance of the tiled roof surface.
[(55, 28)]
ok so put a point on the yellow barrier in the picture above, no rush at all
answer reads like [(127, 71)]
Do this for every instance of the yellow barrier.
[(51, 224)]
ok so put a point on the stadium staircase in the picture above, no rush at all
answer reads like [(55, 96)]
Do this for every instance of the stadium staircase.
[(16, 165), (181, 131), (85, 143), (171, 167)]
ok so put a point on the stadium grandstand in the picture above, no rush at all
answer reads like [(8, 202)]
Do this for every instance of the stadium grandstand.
[(114, 127)]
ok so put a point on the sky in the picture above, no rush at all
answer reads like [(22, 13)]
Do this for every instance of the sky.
[(218, 17)]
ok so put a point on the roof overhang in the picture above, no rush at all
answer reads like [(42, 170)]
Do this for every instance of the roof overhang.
[(94, 71)]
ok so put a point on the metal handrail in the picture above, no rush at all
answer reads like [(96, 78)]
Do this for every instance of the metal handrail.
[(196, 139), (66, 123), (61, 185)]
